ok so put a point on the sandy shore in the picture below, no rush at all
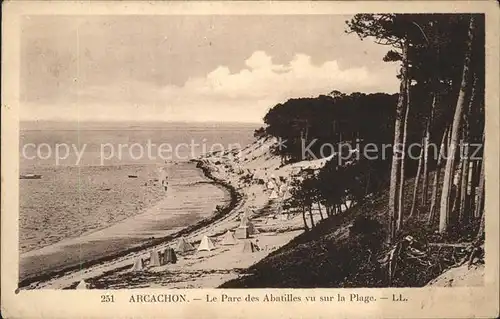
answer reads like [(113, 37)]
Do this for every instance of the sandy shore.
[(206, 269)]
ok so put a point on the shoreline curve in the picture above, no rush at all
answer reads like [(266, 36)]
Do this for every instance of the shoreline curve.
[(235, 198)]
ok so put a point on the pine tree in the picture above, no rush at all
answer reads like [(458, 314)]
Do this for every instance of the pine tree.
[(444, 215)]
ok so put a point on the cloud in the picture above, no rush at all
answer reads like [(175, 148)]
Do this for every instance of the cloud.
[(220, 95), (262, 84)]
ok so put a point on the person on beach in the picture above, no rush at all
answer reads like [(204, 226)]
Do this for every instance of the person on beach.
[(163, 178)]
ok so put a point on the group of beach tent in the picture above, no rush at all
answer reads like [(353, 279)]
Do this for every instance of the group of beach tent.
[(228, 239), (156, 259), (245, 229), (206, 244)]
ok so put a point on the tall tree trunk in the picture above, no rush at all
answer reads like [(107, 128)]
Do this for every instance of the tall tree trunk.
[(479, 211), (304, 218), (482, 225), (480, 192), (444, 214), (395, 167), (417, 182), (467, 173), (471, 190), (457, 182), (403, 157), (435, 183), (425, 177), (464, 196), (311, 216), (320, 211)]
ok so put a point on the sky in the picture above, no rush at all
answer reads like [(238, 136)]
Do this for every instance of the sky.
[(199, 68)]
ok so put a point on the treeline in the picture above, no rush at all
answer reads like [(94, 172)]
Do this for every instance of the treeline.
[(329, 120), (440, 106)]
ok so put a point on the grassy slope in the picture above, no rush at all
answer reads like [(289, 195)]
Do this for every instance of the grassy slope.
[(333, 256)]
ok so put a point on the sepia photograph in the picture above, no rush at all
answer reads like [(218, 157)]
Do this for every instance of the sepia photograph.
[(228, 151)]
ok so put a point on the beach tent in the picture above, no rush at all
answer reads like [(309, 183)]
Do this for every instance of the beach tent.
[(82, 285), (245, 223), (243, 220), (169, 256), (154, 259), (206, 244), (138, 265), (249, 247), (273, 195), (183, 245), (270, 185), (228, 239), (242, 232)]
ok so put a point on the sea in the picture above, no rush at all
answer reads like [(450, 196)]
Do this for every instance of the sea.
[(99, 193)]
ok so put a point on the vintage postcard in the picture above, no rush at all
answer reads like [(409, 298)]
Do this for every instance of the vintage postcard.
[(238, 159)]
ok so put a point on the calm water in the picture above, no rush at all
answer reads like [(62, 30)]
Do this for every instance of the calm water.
[(81, 212), (53, 144)]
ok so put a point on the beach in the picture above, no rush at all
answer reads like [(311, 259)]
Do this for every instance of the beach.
[(191, 197), (104, 215), (194, 269), (79, 215)]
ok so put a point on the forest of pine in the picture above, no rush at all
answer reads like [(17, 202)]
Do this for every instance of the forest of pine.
[(399, 203)]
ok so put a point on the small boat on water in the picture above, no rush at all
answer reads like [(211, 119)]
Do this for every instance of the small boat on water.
[(30, 176)]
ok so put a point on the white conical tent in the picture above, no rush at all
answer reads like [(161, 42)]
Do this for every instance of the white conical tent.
[(228, 239), (206, 244), (183, 245), (154, 259), (270, 185), (138, 265), (244, 221), (249, 247), (82, 285), (241, 232), (273, 195)]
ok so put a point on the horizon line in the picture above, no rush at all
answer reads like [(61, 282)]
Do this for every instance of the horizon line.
[(138, 121)]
